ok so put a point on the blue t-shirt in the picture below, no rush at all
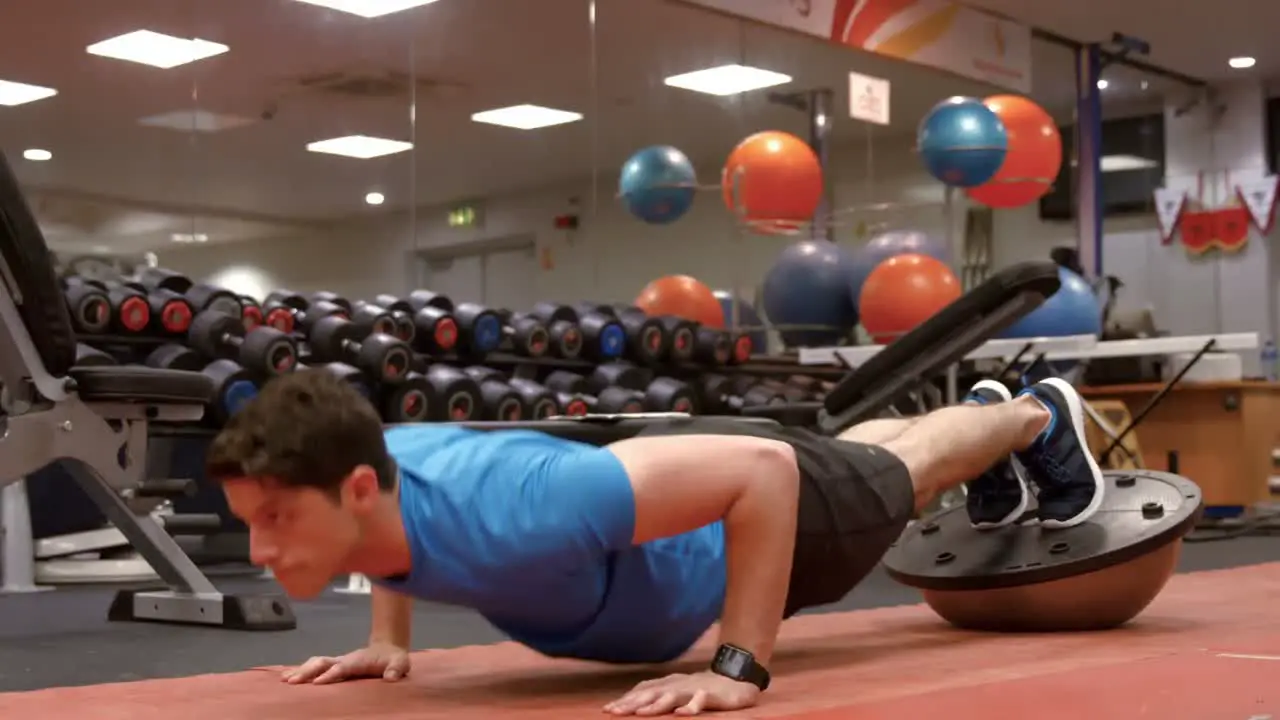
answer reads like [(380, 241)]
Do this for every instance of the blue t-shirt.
[(534, 532)]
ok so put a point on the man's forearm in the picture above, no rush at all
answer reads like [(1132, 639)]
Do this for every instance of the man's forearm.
[(760, 532), (392, 618)]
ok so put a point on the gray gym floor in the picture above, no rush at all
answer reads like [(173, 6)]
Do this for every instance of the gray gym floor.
[(62, 638)]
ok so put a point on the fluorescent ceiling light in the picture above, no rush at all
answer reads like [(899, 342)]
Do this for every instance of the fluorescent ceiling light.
[(195, 121), (1241, 63), (369, 8), (16, 93), (375, 198), (156, 49), (728, 80), (1102, 84), (189, 238), (359, 146), (1121, 163), (37, 155), (526, 117)]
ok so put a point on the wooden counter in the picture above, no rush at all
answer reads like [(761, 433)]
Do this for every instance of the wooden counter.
[(1224, 434)]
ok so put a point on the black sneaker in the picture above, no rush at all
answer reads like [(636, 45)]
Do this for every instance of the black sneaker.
[(1059, 461), (999, 496)]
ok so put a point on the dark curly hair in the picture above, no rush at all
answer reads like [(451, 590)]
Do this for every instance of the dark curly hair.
[(305, 429)]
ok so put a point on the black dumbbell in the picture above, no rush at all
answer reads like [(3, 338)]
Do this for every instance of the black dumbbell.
[(479, 330), (603, 337), (526, 335), (618, 374), (794, 393), (564, 338), (401, 317), (90, 309), (326, 296), (233, 386), (263, 350), (251, 311), (419, 299), (172, 356), (459, 395), (666, 394), (539, 402), (155, 278), (683, 334), (211, 297), (647, 340), (615, 400), (350, 375), (712, 346), (412, 400), (726, 396), (383, 358), (87, 356), (301, 314), (500, 401), (128, 309), (563, 381), (370, 319)]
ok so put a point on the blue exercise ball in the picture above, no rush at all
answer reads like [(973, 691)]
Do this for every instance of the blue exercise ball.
[(809, 285), (1073, 310), (887, 245), (747, 318), (962, 141), (658, 184)]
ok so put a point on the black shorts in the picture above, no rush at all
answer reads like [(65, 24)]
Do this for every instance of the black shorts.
[(855, 500)]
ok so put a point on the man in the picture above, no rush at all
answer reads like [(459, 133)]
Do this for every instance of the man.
[(626, 553)]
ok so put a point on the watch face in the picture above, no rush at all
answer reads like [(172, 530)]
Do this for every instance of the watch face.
[(732, 661)]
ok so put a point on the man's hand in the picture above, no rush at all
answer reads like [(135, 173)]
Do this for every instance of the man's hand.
[(685, 695), (379, 660)]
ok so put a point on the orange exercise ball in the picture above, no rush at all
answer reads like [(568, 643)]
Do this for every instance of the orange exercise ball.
[(684, 297), (774, 180), (1034, 157), (904, 291)]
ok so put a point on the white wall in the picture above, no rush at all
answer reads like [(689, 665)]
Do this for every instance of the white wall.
[(613, 255)]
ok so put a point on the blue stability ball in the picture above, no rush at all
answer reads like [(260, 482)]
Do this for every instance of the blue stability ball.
[(809, 285), (658, 184), (1073, 310), (887, 245), (962, 141), (747, 318)]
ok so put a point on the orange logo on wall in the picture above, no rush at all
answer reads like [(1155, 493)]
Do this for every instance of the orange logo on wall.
[(1225, 228)]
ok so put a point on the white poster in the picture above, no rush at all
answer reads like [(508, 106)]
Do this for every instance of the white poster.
[(868, 98)]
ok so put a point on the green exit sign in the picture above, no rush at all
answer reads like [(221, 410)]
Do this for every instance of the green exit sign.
[(464, 216)]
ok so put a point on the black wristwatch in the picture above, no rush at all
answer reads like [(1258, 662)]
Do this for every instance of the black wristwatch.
[(738, 664)]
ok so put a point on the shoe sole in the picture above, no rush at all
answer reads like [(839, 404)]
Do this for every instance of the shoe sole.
[(1009, 519), (1076, 405)]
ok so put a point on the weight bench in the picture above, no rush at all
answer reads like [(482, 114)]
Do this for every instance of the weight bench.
[(95, 421), (925, 352)]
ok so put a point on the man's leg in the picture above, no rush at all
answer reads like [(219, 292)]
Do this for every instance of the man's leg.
[(876, 432)]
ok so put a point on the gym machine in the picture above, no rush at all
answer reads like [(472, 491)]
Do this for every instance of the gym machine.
[(95, 421)]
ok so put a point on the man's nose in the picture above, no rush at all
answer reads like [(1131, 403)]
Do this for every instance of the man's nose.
[(262, 551)]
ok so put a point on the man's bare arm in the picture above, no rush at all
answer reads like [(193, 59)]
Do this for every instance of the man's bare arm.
[(685, 482), (392, 618)]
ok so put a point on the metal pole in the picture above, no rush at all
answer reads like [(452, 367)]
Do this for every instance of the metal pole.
[(821, 103), (1088, 153)]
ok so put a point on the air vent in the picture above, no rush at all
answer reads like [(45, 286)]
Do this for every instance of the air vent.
[(373, 85)]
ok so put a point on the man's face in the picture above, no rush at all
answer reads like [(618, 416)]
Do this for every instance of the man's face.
[(303, 535)]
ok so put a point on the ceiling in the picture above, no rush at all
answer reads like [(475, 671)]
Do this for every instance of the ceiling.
[(1194, 38), (297, 73)]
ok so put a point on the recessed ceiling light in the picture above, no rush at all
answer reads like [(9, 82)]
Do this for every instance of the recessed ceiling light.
[(728, 80), (189, 238), (156, 49), (369, 8), (16, 93), (1241, 63), (1102, 84), (1144, 85), (195, 121), (375, 198), (37, 155), (526, 117), (359, 146)]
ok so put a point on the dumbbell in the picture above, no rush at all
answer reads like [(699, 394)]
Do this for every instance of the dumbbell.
[(479, 330), (712, 346), (201, 296), (401, 317), (128, 311), (498, 399), (607, 398), (172, 356), (326, 296), (301, 313), (619, 373), (647, 339), (667, 394), (89, 307), (564, 338), (603, 337), (383, 358), (537, 402), (460, 398), (251, 311), (721, 395), (615, 400), (419, 299), (570, 390), (350, 375), (684, 338), (263, 350), (170, 313), (411, 400), (527, 335), (794, 391), (233, 387), (87, 356)]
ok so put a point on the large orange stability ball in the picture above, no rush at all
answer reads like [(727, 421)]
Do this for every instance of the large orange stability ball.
[(774, 179), (904, 291), (1034, 157), (684, 297)]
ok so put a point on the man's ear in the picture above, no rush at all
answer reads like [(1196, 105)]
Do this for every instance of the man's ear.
[(360, 488)]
